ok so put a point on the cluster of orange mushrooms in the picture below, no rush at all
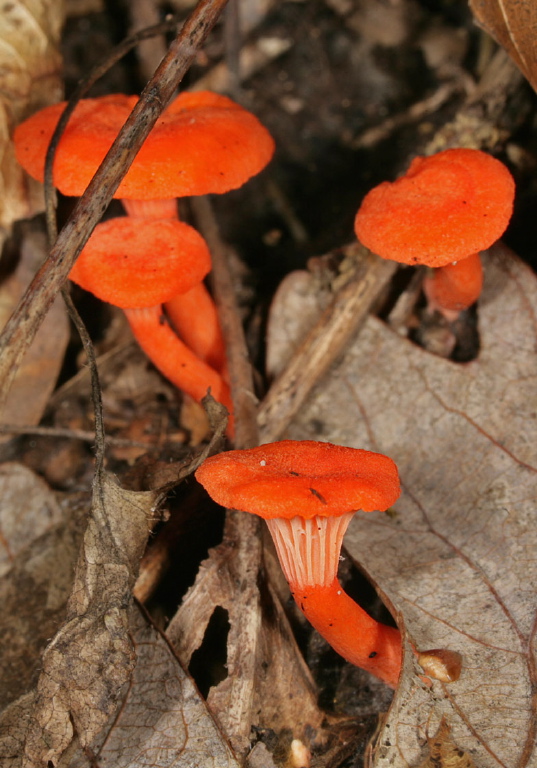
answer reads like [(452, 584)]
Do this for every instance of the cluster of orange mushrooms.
[(149, 263), (441, 213)]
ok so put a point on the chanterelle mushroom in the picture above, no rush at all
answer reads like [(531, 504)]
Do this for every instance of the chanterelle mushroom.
[(203, 143), (441, 213), (118, 266), (307, 492)]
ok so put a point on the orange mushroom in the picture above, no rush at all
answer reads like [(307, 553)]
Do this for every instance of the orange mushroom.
[(118, 265), (442, 212), (307, 492), (203, 143)]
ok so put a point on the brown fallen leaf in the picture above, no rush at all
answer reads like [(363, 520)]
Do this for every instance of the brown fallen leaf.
[(268, 683), (87, 668), (457, 557), (163, 720), (30, 65), (92, 656), (39, 538), (513, 24), (37, 375), (443, 753)]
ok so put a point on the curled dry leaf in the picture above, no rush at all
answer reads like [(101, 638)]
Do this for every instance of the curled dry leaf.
[(268, 683), (39, 538), (37, 375), (457, 556), (87, 668), (513, 24), (163, 720), (30, 65), (92, 656)]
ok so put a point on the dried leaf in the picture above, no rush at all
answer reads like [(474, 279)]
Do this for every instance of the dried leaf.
[(37, 375), (38, 547), (457, 558), (163, 720), (443, 753), (14, 723), (513, 24), (29, 79), (91, 657), (268, 683)]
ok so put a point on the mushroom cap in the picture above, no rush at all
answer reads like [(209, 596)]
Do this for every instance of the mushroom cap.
[(445, 207), (300, 478), (134, 265), (202, 143)]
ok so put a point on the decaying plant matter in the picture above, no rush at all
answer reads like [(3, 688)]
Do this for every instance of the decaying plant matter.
[(217, 665)]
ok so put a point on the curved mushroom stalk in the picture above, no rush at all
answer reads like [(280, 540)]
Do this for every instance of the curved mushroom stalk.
[(118, 266), (307, 492), (193, 313), (308, 550), (174, 359), (455, 287), (195, 318), (350, 630)]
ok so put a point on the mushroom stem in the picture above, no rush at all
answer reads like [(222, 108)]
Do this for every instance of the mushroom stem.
[(174, 359), (308, 550), (204, 337), (152, 209), (350, 630), (455, 286), (193, 314), (307, 492)]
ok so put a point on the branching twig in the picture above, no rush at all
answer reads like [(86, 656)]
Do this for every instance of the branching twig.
[(340, 321), (80, 91)]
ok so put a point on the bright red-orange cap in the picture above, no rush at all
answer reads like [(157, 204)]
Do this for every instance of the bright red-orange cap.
[(203, 143), (301, 478), (135, 265), (444, 208)]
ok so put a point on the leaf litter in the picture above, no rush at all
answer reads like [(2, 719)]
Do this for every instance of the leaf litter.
[(87, 668), (456, 556), (426, 623)]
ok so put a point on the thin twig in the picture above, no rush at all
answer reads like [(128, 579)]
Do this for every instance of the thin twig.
[(232, 41), (340, 321), (96, 396), (240, 368), (80, 91), (83, 435), (21, 328)]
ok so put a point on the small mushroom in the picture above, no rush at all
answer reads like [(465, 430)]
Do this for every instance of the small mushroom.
[(118, 265), (203, 143), (442, 212), (307, 492)]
